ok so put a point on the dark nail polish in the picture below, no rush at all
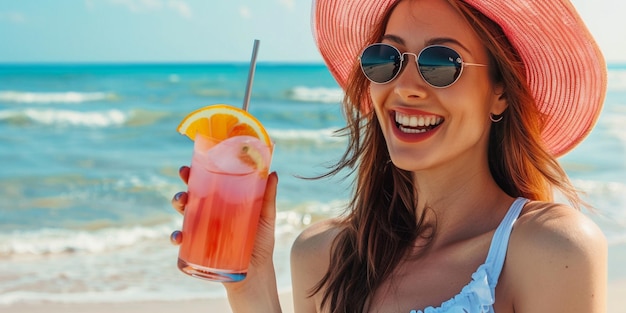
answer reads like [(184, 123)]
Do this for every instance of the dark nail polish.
[(178, 195), (176, 237)]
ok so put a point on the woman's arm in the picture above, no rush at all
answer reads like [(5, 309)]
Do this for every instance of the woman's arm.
[(310, 256)]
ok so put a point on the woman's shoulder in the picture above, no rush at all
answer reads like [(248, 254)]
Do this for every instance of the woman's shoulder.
[(316, 240), (547, 225), (555, 252)]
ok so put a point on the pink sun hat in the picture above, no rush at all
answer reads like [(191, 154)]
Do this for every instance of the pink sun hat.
[(565, 68)]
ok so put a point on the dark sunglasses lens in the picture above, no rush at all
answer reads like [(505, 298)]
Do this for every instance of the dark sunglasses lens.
[(380, 63), (440, 66)]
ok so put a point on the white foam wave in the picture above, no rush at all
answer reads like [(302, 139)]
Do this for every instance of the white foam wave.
[(608, 198), (613, 118), (114, 265), (54, 97), (320, 94), (320, 136), (59, 241), (67, 117), (617, 80)]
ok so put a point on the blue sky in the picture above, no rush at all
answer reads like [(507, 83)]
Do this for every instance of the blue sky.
[(200, 30)]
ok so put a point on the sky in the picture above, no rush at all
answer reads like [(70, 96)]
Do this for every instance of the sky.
[(87, 31)]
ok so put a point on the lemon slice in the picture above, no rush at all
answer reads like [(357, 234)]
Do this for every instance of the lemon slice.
[(222, 121)]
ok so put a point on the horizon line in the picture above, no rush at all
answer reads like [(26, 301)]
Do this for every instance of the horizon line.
[(615, 64), (312, 62)]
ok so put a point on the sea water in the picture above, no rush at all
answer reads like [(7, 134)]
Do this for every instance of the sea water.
[(89, 160)]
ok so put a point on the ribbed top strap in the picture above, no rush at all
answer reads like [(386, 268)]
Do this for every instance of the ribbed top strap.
[(500, 241)]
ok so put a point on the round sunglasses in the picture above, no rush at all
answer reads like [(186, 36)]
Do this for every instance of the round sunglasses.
[(439, 66)]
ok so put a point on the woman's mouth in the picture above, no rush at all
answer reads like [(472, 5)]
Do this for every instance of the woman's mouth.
[(416, 124)]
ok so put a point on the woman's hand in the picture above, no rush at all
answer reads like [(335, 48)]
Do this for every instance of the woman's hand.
[(178, 202), (264, 245), (258, 291)]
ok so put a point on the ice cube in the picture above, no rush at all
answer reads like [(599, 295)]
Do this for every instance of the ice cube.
[(238, 155)]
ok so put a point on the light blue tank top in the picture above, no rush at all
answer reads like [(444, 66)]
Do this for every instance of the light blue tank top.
[(479, 295)]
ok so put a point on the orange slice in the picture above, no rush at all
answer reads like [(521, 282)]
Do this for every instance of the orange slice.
[(221, 121)]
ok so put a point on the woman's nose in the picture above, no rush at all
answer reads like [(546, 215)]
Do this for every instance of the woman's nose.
[(409, 83)]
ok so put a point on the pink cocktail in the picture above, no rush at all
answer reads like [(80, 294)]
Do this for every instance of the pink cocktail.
[(226, 187)]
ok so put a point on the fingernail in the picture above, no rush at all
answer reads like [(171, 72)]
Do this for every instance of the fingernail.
[(176, 237), (178, 195)]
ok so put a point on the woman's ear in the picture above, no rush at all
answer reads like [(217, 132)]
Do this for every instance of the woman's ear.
[(500, 102)]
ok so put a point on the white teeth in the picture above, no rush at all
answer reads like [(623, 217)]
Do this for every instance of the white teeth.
[(412, 130), (406, 121)]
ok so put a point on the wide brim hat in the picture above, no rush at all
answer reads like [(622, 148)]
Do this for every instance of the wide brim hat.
[(565, 69)]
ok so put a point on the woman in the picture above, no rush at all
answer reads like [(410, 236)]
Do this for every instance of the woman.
[(455, 162)]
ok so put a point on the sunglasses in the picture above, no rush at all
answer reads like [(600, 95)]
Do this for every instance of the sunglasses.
[(439, 66)]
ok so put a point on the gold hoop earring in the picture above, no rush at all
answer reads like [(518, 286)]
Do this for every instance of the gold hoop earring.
[(495, 119)]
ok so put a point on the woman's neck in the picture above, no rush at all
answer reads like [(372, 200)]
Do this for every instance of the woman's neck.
[(459, 196)]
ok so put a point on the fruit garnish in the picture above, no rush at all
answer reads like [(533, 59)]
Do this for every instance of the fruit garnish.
[(250, 156), (221, 121)]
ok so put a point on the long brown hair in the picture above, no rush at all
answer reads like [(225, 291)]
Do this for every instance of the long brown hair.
[(381, 223)]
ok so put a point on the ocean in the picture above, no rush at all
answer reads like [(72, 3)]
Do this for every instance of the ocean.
[(89, 160)]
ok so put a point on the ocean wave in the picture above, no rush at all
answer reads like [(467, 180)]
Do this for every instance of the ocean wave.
[(143, 269), (94, 239), (617, 80), (64, 117), (318, 94), (611, 194), (142, 117), (305, 136), (608, 198), (123, 264), (49, 241), (614, 120), (55, 97)]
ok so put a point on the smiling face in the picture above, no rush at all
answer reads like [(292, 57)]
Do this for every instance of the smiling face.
[(427, 127)]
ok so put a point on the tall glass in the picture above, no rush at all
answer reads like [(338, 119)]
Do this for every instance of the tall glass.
[(226, 187)]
